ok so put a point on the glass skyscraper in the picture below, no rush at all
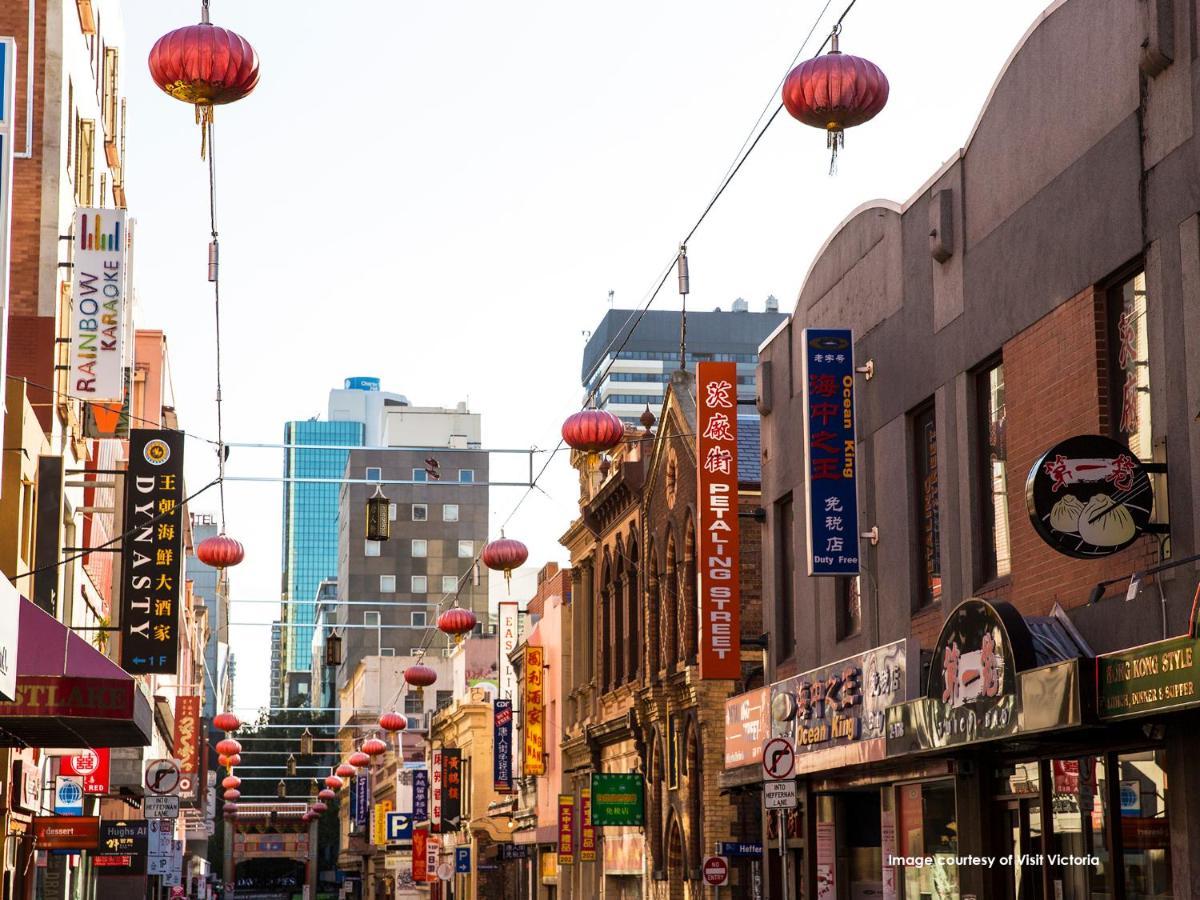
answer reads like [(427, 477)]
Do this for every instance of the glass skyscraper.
[(310, 526)]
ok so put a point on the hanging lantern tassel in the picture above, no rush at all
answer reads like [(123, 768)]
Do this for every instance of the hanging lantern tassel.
[(204, 117), (835, 141)]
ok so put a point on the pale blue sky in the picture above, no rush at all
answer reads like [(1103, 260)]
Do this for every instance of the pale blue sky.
[(442, 195)]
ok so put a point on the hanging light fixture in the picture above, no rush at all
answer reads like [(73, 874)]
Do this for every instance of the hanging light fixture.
[(291, 764), (393, 721), (319, 807), (231, 781), (228, 747), (379, 525), (232, 794), (593, 431), (333, 782), (220, 552), (325, 794), (359, 760), (306, 743), (333, 650), (281, 789), (420, 677), (345, 770)]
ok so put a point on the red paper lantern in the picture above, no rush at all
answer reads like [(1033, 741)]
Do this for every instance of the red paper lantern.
[(835, 92), (345, 770), (333, 782), (593, 431), (456, 622), (230, 808), (228, 747), (220, 552), (359, 759), (225, 721), (308, 817), (393, 721), (319, 807), (504, 555), (232, 794), (231, 781), (373, 747), (231, 761), (420, 676), (326, 794)]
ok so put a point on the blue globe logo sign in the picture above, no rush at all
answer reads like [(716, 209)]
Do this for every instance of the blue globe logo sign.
[(70, 793), (68, 796)]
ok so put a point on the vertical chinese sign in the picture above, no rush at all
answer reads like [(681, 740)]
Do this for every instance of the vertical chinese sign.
[(566, 830), (187, 746), (150, 565), (379, 823), (362, 794), (98, 307), (420, 841), (534, 762), (502, 780), (830, 452), (587, 833), (451, 789), (435, 791), (717, 470), (420, 804)]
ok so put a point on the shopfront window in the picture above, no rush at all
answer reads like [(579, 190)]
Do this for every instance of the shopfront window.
[(1080, 829), (1145, 825), (928, 827)]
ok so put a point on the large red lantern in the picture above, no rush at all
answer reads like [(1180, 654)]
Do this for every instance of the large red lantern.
[(231, 781), (359, 759), (835, 92), (230, 761), (220, 552), (374, 747), (593, 431), (504, 555), (393, 721), (345, 770), (228, 747), (333, 782), (420, 676), (456, 622), (226, 721)]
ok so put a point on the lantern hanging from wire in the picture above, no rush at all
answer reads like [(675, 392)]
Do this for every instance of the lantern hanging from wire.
[(204, 65), (333, 782), (504, 555), (319, 807), (379, 525), (226, 722), (835, 92), (228, 747), (359, 760), (325, 794), (392, 722), (232, 794), (281, 789), (231, 761), (306, 743), (231, 781), (374, 747), (220, 552), (457, 623), (345, 770), (291, 764), (419, 677), (593, 431)]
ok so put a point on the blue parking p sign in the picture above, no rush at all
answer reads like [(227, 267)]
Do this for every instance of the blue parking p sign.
[(462, 860), (399, 826)]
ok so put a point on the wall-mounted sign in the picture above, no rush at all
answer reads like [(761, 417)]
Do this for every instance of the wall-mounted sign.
[(508, 625), (566, 830), (587, 833), (502, 780), (66, 832), (462, 860), (91, 766), (451, 789), (399, 827), (362, 806), (618, 799), (1089, 497), (68, 795), (717, 497), (435, 790), (1151, 678), (27, 786), (187, 744), (379, 831), (151, 563), (534, 757), (746, 726), (830, 451), (128, 842), (420, 795), (420, 855), (98, 307)]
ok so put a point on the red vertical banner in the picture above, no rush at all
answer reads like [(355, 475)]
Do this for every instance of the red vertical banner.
[(587, 831), (566, 830), (420, 860), (535, 726), (187, 744), (717, 496)]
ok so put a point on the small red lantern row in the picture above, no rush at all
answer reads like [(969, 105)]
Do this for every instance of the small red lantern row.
[(393, 721), (319, 807), (228, 747), (420, 676), (456, 622), (231, 781), (593, 431), (326, 794), (229, 761), (333, 782), (374, 747), (345, 770), (232, 794), (504, 555), (226, 721), (358, 759)]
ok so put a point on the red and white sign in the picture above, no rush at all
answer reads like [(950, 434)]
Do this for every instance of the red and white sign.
[(435, 792), (716, 871), (91, 766), (187, 743), (779, 758), (717, 471)]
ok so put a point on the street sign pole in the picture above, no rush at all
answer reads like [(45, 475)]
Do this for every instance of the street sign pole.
[(783, 859)]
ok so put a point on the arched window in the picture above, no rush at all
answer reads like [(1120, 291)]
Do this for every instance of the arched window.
[(605, 642), (655, 804), (695, 790), (617, 646), (670, 608), (633, 615), (650, 614)]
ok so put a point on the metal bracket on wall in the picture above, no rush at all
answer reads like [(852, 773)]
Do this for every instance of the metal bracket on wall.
[(872, 535), (867, 369)]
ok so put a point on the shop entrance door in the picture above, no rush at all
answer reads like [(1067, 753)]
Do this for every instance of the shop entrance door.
[(1021, 837)]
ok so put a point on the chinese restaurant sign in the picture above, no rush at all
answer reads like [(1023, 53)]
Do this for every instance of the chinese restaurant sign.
[(420, 795), (451, 789), (566, 830), (420, 849), (91, 766), (717, 495), (435, 790), (587, 834), (502, 781), (509, 627), (98, 307), (746, 728), (534, 762), (1089, 497), (1152, 678), (830, 452), (125, 846), (187, 747), (618, 799), (150, 565)]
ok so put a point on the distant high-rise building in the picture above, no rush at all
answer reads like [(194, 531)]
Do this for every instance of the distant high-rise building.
[(628, 379), (276, 665), (210, 585)]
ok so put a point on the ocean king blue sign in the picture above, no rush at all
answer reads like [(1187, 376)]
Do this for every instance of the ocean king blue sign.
[(830, 452), (420, 795)]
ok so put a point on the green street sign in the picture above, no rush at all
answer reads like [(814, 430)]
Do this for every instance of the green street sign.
[(618, 799)]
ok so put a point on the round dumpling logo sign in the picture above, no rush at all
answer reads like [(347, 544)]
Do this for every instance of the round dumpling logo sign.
[(1089, 497)]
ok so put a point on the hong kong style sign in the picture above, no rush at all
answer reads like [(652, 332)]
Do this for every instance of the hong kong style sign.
[(830, 452), (151, 565), (717, 496), (618, 799)]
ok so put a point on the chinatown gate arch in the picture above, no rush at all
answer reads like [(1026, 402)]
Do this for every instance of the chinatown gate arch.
[(269, 831)]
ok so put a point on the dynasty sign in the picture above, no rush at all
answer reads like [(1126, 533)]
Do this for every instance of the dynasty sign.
[(717, 494), (150, 565)]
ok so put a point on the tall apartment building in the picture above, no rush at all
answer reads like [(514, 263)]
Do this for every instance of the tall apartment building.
[(212, 587), (629, 379)]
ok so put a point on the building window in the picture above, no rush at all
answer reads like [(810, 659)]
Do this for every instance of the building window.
[(466, 476), (85, 162), (413, 703), (420, 475), (849, 608), (420, 548), (387, 584), (109, 103), (420, 512), (393, 512), (374, 473), (449, 512), (931, 808), (993, 479), (419, 620), (420, 584), (1129, 365), (925, 481), (449, 584), (371, 548), (785, 575), (466, 549), (371, 619), (444, 699)]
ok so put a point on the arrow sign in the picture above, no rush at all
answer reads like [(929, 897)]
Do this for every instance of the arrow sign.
[(779, 758), (162, 776)]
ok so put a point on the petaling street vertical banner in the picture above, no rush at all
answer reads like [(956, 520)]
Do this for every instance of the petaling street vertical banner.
[(587, 831), (187, 747), (566, 830), (534, 762), (435, 790), (98, 307), (150, 563), (509, 625), (717, 496), (830, 452), (502, 778), (451, 789), (420, 804)]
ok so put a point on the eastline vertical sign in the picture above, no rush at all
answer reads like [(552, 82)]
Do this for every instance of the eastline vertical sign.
[(717, 496), (151, 564)]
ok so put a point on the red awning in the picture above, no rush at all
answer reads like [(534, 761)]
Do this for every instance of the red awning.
[(69, 694)]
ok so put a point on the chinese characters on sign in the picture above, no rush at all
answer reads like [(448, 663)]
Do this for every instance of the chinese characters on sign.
[(618, 799), (451, 789), (830, 452), (566, 830), (587, 837), (435, 791), (420, 795), (379, 823), (151, 564), (420, 851), (535, 734), (91, 766), (98, 306), (187, 748), (717, 474), (502, 747), (362, 798)]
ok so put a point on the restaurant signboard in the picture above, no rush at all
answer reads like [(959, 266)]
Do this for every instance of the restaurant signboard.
[(618, 798), (66, 832), (747, 724), (1152, 678)]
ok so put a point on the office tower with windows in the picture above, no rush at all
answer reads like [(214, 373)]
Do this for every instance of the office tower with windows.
[(276, 665), (629, 372), (212, 586)]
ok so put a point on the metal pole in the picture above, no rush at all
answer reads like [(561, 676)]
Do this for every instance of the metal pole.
[(783, 856)]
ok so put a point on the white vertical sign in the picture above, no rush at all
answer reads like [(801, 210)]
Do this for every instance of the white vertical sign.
[(509, 638), (98, 305)]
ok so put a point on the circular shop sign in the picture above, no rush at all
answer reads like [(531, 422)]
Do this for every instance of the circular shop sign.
[(157, 452), (1089, 497), (716, 870)]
